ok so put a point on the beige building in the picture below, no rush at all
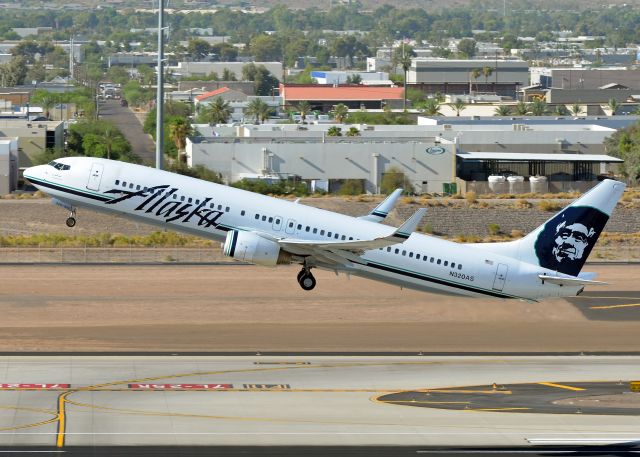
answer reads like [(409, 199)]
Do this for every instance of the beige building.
[(34, 137), (8, 165)]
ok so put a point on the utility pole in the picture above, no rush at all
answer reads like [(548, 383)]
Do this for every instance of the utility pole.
[(160, 91)]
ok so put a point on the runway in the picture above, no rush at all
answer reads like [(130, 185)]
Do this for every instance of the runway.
[(59, 403)]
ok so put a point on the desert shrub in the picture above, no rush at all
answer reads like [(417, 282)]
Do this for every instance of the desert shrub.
[(546, 205), (471, 197), (493, 229)]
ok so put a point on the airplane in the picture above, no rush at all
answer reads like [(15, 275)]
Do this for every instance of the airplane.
[(268, 231)]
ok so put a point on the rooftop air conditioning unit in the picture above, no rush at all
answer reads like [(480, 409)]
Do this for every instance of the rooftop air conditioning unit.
[(447, 126)]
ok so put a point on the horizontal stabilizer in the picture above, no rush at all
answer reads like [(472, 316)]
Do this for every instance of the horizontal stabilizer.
[(380, 212), (561, 281)]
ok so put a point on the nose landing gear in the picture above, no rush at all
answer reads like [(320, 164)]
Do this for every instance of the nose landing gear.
[(71, 220), (306, 279)]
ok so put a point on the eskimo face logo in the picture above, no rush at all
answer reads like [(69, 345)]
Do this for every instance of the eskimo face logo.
[(571, 241), (566, 240)]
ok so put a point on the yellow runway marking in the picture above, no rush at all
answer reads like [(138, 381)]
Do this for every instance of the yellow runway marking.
[(35, 424), (458, 391), (561, 386), (630, 305), (613, 298), (428, 402)]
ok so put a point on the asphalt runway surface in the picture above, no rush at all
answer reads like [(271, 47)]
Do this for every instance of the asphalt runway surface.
[(59, 403), (249, 309)]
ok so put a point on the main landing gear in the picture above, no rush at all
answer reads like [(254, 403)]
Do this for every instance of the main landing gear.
[(71, 220), (306, 279)]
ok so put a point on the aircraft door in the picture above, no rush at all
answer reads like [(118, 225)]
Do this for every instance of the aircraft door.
[(277, 223), (501, 277), (291, 226), (95, 176)]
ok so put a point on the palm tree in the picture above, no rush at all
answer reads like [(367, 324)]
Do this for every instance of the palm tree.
[(560, 110), (538, 107), (340, 112), (353, 131), (475, 74), (613, 105), (304, 107), (47, 102), (522, 109), (458, 106), (486, 71), (503, 110), (576, 109), (431, 107), (108, 138), (179, 130), (258, 109), (217, 112), (334, 131)]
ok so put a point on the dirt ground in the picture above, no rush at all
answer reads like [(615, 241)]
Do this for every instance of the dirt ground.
[(247, 308)]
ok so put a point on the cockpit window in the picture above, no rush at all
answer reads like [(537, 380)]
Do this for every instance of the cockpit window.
[(59, 166)]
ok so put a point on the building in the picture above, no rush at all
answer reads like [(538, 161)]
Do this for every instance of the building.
[(324, 98), (560, 155), (585, 78), (443, 76), (342, 77), (8, 165), (190, 69), (33, 137)]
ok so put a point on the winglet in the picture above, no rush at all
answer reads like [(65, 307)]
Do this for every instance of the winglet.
[(380, 212), (405, 230)]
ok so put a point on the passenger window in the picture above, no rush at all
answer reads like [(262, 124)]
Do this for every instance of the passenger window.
[(411, 255), (197, 201), (322, 232), (174, 196), (404, 252), (138, 187), (182, 198), (307, 228), (290, 224), (439, 262), (329, 234), (190, 200), (270, 220), (397, 251), (432, 259), (336, 236), (242, 213), (219, 207), (226, 209), (315, 230), (278, 221), (453, 265), (446, 263), (264, 218), (350, 238), (299, 226), (131, 186), (117, 182), (417, 256), (344, 237), (124, 183), (389, 249), (459, 267), (257, 216)]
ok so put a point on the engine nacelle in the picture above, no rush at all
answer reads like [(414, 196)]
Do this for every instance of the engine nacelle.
[(252, 248)]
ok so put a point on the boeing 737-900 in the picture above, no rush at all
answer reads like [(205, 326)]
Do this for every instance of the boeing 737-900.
[(269, 231)]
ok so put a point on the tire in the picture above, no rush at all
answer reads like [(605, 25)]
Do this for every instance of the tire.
[(71, 222), (307, 281)]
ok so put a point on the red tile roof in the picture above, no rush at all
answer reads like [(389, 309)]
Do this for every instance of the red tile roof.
[(213, 93), (337, 93)]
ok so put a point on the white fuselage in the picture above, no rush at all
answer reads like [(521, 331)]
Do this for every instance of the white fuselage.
[(210, 210)]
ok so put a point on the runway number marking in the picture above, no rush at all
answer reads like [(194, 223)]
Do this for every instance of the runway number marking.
[(34, 386), (267, 386), (561, 386), (181, 386)]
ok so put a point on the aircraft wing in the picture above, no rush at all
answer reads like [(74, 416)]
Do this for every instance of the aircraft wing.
[(400, 235), (562, 281), (380, 212)]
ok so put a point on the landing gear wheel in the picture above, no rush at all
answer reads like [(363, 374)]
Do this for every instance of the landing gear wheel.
[(71, 221), (301, 274), (307, 281)]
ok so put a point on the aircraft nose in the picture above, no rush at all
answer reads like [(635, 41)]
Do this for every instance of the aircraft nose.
[(34, 172)]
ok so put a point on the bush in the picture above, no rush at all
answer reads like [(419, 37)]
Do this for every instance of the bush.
[(471, 197), (546, 205), (282, 187), (493, 229), (351, 187)]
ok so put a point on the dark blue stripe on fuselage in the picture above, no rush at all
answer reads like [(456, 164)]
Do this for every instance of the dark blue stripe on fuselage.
[(79, 193)]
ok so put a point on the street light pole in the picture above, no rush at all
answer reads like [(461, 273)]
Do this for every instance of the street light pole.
[(160, 91)]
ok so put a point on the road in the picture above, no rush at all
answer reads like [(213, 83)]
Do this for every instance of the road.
[(123, 118)]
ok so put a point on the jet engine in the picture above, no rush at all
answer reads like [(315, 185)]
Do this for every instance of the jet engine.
[(252, 248)]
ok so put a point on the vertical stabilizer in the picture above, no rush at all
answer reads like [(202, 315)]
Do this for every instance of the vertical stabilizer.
[(564, 242)]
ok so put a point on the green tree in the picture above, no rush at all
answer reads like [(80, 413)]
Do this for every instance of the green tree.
[(179, 130), (228, 75), (99, 139), (538, 107), (258, 110), (458, 106), (467, 47), (227, 52), (502, 110), (613, 106), (340, 112), (198, 49), (353, 131), (394, 178), (475, 74), (265, 48), (334, 131), (304, 108), (522, 108), (561, 110), (431, 107), (46, 100), (576, 109), (264, 81), (13, 72), (486, 72), (217, 112), (625, 144)]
